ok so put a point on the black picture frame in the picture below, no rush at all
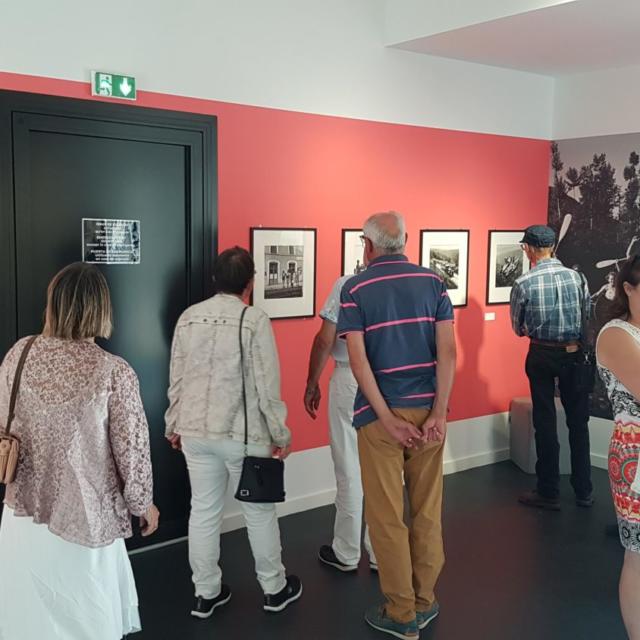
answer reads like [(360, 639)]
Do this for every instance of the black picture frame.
[(258, 297), (491, 259), (465, 232)]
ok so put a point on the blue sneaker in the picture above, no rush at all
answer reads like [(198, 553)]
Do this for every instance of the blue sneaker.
[(377, 618), (423, 618)]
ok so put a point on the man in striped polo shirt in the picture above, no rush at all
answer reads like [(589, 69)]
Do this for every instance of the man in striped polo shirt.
[(547, 306), (397, 320)]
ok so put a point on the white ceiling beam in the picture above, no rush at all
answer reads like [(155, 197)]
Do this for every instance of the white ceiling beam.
[(407, 20)]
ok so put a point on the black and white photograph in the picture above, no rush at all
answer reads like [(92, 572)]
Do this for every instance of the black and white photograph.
[(285, 262), (445, 261), (507, 262), (284, 274), (594, 206), (352, 252), (447, 253)]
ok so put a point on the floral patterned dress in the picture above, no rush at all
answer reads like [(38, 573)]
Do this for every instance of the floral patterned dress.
[(624, 449)]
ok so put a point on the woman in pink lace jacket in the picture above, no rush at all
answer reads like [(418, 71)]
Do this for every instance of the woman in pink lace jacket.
[(84, 470)]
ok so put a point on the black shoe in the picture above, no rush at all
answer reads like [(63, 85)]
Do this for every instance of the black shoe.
[(586, 501), (328, 556), (203, 608), (534, 499), (277, 602)]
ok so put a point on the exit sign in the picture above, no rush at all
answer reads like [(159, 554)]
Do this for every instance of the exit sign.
[(113, 85)]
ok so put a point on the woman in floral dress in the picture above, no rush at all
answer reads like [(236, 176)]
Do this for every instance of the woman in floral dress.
[(618, 353)]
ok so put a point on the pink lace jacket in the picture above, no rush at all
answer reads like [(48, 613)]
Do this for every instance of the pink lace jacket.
[(85, 464)]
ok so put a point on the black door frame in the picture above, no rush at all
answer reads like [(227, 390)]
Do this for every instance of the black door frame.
[(14, 103)]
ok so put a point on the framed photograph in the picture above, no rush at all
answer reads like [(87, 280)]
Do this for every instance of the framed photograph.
[(352, 252), (507, 262), (285, 261), (447, 253)]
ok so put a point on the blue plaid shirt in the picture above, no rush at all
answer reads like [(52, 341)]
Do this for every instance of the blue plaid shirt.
[(547, 302)]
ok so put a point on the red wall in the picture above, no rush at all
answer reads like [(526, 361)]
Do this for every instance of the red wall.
[(280, 168)]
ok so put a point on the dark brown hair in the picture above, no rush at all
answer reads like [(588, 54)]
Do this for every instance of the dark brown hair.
[(78, 304), (629, 272), (233, 270)]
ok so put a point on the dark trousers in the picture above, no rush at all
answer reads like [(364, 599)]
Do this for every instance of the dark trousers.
[(544, 365)]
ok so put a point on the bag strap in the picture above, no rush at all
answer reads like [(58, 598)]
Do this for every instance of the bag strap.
[(244, 388), (16, 382)]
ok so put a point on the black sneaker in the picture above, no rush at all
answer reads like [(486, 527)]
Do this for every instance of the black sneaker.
[(203, 607), (585, 501), (328, 556), (534, 499), (277, 602)]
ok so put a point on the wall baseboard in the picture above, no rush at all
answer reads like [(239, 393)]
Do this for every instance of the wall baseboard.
[(475, 460), (470, 443), (599, 461), (310, 480)]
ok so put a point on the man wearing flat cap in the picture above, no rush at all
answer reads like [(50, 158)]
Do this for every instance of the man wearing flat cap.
[(547, 307)]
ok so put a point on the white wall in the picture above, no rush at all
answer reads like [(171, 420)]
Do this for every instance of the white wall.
[(411, 19), (598, 103), (321, 57)]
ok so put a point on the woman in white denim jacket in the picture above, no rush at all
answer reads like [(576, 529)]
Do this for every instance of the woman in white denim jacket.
[(206, 420)]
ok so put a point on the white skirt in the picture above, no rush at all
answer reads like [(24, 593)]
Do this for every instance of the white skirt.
[(58, 590)]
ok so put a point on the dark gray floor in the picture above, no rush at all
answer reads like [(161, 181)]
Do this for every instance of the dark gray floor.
[(512, 573)]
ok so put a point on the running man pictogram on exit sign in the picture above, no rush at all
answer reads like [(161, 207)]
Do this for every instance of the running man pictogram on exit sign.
[(113, 85)]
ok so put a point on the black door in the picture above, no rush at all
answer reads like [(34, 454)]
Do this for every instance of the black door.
[(65, 160)]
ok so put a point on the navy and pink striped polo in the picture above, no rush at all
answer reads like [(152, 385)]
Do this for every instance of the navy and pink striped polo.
[(396, 305)]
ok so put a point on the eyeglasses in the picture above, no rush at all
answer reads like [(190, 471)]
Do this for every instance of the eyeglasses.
[(363, 239)]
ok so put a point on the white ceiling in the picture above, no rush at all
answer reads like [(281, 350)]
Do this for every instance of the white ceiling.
[(571, 38)]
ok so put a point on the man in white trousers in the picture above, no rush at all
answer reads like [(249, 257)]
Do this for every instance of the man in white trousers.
[(344, 553)]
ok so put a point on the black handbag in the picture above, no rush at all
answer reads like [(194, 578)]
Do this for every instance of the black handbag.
[(262, 479), (585, 364)]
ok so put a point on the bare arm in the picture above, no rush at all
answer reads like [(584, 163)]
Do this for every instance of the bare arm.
[(402, 431), (320, 352), (435, 428), (620, 353)]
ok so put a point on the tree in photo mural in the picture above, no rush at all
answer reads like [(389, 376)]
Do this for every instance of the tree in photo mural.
[(603, 206)]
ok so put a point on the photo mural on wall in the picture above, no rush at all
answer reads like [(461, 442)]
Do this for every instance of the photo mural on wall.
[(594, 192)]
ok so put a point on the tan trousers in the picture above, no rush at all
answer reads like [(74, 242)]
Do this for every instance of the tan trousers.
[(410, 559)]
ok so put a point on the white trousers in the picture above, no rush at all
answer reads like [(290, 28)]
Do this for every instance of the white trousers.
[(347, 532), (211, 464)]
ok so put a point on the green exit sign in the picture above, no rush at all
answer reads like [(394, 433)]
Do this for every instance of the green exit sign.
[(113, 85)]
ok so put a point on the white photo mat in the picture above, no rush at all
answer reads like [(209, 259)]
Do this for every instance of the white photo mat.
[(352, 252), (507, 262), (285, 262), (447, 252)]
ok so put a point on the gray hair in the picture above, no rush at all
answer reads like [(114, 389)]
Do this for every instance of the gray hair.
[(387, 232)]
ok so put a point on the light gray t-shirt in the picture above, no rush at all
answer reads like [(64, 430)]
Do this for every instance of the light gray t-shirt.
[(330, 312)]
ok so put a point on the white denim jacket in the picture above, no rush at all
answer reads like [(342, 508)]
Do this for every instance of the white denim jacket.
[(205, 391)]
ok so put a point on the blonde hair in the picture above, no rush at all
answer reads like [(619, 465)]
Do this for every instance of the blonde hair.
[(78, 304)]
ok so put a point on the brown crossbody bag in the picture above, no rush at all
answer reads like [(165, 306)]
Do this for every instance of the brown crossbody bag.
[(10, 445)]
